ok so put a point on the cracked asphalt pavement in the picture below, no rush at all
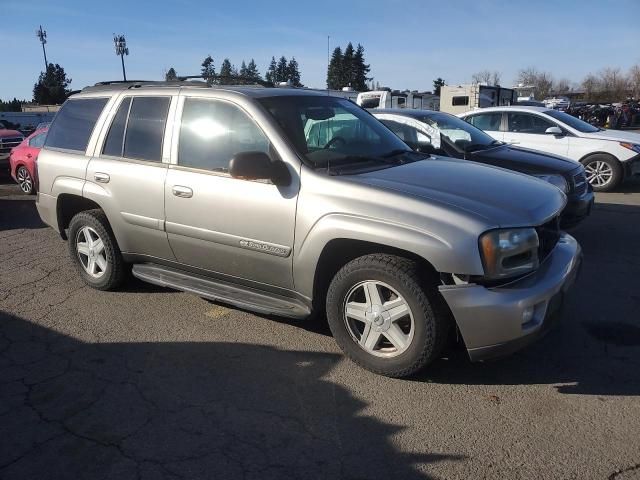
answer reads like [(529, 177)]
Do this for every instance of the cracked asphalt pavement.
[(149, 383)]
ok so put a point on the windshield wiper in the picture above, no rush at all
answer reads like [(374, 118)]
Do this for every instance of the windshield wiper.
[(396, 152)]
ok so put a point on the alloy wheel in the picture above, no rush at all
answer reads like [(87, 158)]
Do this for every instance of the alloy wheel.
[(379, 319), (91, 252), (24, 180), (598, 173)]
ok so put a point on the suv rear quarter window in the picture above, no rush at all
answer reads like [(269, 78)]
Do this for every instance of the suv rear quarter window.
[(74, 123)]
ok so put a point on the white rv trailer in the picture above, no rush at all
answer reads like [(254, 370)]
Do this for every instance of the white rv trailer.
[(398, 99), (462, 98)]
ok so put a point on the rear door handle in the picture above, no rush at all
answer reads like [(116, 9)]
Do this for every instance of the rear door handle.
[(182, 192), (101, 177)]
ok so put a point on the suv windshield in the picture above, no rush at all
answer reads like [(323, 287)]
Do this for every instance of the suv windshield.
[(330, 131), (573, 122), (462, 135)]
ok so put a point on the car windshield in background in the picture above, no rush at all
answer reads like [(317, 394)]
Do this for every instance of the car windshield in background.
[(573, 122), (332, 132), (459, 133)]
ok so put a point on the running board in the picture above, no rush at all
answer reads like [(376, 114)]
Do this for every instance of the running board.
[(237, 295)]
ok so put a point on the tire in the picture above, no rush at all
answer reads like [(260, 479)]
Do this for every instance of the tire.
[(25, 180), (108, 270), (396, 280), (604, 172)]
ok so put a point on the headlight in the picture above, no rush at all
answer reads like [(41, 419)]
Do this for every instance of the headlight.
[(631, 146), (556, 180), (506, 253)]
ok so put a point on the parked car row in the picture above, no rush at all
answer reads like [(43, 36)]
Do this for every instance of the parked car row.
[(292, 202)]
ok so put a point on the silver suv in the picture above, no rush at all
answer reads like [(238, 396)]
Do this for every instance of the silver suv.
[(291, 202)]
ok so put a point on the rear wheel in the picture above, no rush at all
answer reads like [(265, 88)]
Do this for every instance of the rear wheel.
[(604, 172), (383, 315), (25, 180), (94, 250)]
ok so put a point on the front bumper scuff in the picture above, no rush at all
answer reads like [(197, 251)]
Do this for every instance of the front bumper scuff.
[(491, 319)]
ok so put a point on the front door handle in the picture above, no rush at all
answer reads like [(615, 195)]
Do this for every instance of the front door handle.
[(182, 192), (101, 177)]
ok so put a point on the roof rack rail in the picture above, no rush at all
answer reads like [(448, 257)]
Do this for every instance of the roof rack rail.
[(228, 80)]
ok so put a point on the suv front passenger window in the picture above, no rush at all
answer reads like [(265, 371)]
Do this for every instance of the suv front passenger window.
[(212, 132)]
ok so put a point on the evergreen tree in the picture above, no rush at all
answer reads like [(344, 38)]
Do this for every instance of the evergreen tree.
[(282, 70), (226, 71), (293, 73), (252, 71), (360, 70), (334, 71), (271, 71), (437, 84), (171, 75), (243, 69), (347, 67), (14, 105), (208, 71), (51, 88)]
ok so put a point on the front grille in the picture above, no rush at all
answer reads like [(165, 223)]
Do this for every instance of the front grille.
[(548, 236), (580, 182), (6, 144)]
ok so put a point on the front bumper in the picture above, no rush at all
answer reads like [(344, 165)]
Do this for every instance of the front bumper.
[(491, 319), (578, 208)]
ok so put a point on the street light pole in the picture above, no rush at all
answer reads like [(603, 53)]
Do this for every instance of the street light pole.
[(42, 35), (120, 44)]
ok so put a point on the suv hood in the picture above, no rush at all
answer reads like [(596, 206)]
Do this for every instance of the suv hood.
[(501, 197), (614, 135)]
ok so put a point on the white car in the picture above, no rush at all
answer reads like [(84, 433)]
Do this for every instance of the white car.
[(609, 156)]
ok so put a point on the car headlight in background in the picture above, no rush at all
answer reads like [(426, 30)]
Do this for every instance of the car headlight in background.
[(555, 180), (631, 146), (509, 252)]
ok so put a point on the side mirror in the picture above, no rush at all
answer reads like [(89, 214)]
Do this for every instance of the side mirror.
[(258, 166), (554, 131)]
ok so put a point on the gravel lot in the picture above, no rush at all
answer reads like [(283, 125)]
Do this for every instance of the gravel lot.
[(149, 383)]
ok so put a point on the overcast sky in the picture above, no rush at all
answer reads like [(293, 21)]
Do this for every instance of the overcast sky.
[(408, 43)]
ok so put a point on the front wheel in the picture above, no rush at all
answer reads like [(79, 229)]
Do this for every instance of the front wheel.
[(604, 172), (383, 315)]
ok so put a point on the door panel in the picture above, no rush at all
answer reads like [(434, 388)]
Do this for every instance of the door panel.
[(230, 226), (131, 190), (235, 227)]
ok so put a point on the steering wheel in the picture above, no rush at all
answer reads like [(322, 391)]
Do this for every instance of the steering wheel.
[(335, 140)]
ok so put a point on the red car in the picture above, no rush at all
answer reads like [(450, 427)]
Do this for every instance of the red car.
[(22, 160)]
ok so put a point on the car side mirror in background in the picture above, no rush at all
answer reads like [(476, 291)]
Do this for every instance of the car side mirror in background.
[(258, 166), (554, 131)]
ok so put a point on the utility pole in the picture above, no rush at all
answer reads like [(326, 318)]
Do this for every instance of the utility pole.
[(42, 35), (120, 44)]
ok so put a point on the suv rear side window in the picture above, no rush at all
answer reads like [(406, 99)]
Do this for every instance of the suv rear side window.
[(145, 128), (74, 123), (486, 121), (213, 131)]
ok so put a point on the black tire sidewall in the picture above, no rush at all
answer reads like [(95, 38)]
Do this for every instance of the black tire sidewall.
[(423, 345), (97, 221), (616, 169)]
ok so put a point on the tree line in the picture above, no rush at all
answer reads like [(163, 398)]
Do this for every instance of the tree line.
[(282, 70)]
